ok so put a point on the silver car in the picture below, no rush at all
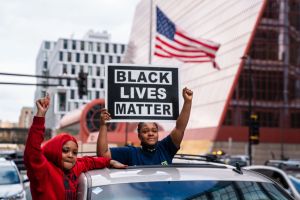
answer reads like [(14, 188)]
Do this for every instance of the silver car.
[(195, 180), (287, 181), (11, 184)]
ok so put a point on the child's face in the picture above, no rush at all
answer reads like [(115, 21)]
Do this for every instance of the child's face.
[(69, 154)]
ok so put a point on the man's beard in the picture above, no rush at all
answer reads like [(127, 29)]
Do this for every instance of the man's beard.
[(148, 147)]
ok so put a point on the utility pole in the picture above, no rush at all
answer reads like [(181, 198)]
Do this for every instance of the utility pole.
[(247, 62)]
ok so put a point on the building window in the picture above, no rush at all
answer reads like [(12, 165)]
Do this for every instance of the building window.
[(268, 118), (118, 59), (272, 10), (94, 58), (61, 56), (61, 101), (69, 57), (73, 70), (93, 83), (82, 45), (102, 59), (90, 72), (44, 84), (86, 58), (106, 47), (77, 57), (64, 69), (76, 104), (47, 45), (115, 48), (110, 59), (294, 47), (90, 46), (295, 120), (65, 44), (228, 119), (101, 83), (266, 85), (45, 64), (43, 93), (89, 95), (97, 94), (98, 47), (68, 82), (122, 48), (73, 44), (265, 45), (245, 118), (98, 71), (72, 94), (294, 8)]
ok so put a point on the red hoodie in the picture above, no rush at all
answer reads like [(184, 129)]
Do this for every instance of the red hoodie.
[(47, 178)]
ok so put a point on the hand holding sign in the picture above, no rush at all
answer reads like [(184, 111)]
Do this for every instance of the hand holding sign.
[(104, 116)]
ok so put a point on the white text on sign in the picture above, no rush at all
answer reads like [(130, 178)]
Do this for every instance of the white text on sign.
[(143, 109), (143, 77), (140, 93)]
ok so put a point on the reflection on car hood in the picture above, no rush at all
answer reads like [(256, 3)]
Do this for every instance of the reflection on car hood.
[(116, 176), (9, 190)]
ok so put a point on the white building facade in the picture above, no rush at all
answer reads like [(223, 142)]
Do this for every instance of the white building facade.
[(65, 58)]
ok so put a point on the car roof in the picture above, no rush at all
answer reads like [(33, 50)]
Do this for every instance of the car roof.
[(185, 172), (4, 162)]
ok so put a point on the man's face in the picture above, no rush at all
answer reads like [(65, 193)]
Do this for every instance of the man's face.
[(69, 154), (149, 134)]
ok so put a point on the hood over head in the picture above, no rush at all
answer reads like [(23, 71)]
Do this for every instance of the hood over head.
[(52, 149)]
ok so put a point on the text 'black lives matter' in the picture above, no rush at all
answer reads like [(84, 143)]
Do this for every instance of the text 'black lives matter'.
[(137, 93)]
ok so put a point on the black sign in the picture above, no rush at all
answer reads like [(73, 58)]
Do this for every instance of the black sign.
[(141, 93)]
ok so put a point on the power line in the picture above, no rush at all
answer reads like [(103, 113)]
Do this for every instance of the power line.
[(36, 84), (39, 76)]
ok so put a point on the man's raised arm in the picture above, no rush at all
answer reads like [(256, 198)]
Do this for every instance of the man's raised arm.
[(102, 144), (183, 118)]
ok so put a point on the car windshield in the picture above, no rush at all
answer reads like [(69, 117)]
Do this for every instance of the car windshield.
[(296, 183), (204, 190), (8, 175)]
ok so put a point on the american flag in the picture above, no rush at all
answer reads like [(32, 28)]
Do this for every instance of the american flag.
[(170, 42)]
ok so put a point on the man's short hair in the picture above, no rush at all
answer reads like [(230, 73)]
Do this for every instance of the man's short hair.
[(140, 125)]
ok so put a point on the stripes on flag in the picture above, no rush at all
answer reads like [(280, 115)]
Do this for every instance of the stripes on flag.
[(170, 42)]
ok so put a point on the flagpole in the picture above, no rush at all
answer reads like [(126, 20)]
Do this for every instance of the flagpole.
[(150, 39)]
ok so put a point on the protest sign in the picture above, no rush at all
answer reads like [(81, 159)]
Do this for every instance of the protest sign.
[(142, 93)]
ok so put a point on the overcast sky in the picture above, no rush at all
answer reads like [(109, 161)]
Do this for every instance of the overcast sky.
[(24, 24)]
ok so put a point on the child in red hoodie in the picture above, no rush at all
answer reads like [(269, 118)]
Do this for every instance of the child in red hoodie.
[(53, 169)]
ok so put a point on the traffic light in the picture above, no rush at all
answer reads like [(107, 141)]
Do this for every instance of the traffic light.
[(254, 129), (82, 83)]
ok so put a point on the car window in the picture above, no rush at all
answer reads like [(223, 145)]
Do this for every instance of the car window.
[(276, 176), (190, 190), (296, 183), (8, 175)]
